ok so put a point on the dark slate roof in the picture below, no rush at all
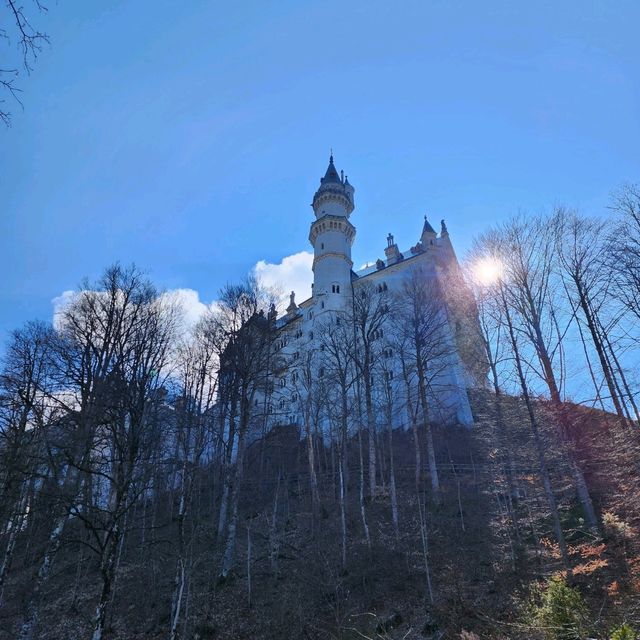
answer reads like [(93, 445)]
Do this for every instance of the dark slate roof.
[(427, 227), (331, 175)]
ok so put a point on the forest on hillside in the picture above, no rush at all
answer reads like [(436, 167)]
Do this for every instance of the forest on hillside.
[(142, 496)]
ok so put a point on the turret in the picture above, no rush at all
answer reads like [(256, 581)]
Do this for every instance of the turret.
[(334, 195), (428, 234), (392, 252), (332, 236)]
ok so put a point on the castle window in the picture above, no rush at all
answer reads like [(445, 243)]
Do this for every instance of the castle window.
[(322, 245), (337, 319), (322, 305), (321, 372), (283, 382), (283, 403), (294, 377), (310, 316), (310, 335), (294, 397), (255, 402)]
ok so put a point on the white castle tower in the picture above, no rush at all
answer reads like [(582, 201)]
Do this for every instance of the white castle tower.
[(332, 235)]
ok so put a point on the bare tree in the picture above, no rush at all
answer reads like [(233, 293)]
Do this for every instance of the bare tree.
[(337, 343), (244, 364), (24, 413), (197, 366), (582, 255), (21, 32), (368, 315), (106, 357), (423, 339), (526, 250)]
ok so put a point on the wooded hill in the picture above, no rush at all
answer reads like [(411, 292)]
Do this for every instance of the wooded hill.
[(142, 494)]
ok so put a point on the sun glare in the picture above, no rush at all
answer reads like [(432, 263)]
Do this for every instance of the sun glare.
[(488, 270)]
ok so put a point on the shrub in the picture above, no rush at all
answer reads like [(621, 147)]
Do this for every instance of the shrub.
[(558, 611), (625, 632)]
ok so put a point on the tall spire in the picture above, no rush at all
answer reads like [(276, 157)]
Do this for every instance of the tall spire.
[(334, 188), (331, 174)]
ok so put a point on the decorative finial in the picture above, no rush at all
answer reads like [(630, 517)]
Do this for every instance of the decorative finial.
[(331, 154), (443, 230)]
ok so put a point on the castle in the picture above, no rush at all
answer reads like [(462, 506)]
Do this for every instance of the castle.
[(336, 288)]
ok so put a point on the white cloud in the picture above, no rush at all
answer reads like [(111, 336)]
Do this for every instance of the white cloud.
[(188, 300), (59, 304), (292, 274)]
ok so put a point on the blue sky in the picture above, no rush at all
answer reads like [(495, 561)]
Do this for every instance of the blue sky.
[(189, 137)]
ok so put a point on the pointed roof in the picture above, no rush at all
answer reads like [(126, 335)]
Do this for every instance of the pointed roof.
[(331, 175), (427, 228)]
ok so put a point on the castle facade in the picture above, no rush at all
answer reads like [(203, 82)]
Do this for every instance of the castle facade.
[(412, 295)]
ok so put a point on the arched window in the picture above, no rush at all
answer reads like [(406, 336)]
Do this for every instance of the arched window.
[(310, 335)]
